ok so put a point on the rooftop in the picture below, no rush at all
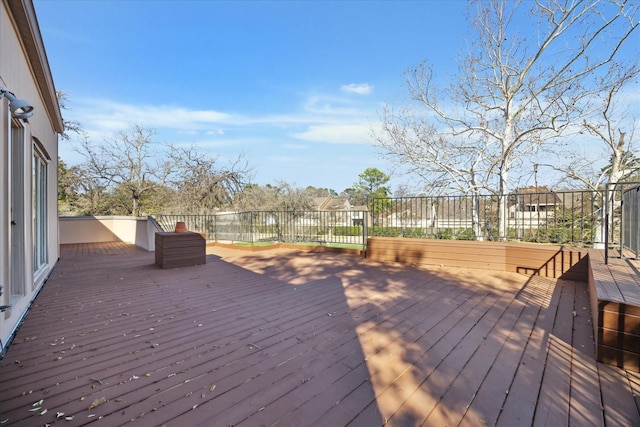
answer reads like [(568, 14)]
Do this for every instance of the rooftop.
[(292, 338)]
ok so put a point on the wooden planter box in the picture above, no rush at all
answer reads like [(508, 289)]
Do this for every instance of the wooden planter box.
[(180, 249), (544, 260)]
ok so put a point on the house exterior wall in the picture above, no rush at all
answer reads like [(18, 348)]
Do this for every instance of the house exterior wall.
[(24, 70)]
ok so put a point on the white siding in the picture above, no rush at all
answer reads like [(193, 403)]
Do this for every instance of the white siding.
[(25, 72)]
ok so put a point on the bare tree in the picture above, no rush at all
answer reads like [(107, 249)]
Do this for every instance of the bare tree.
[(127, 162), (70, 126), (81, 194), (615, 129), (282, 196), (612, 126), (202, 185), (285, 204), (444, 162), (515, 92)]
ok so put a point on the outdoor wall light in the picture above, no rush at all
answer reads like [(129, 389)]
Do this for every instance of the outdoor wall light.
[(20, 109)]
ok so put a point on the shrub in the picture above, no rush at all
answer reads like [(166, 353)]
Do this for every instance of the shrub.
[(445, 234), (341, 230), (466, 234)]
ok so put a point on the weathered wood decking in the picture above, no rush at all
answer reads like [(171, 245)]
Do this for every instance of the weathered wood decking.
[(293, 339)]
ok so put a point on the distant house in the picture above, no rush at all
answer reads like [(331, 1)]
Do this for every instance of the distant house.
[(534, 202), (330, 203), (347, 214), (28, 164)]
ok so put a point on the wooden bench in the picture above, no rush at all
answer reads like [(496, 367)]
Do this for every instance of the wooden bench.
[(180, 249), (614, 290)]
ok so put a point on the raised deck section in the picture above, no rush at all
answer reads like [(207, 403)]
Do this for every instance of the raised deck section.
[(615, 303), (552, 261), (614, 288)]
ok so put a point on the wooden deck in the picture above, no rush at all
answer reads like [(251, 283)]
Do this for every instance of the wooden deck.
[(290, 338)]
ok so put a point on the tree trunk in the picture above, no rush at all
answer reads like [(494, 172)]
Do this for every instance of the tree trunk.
[(475, 217)]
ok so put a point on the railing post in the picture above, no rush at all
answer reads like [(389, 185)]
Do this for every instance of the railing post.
[(636, 207), (251, 228), (606, 224), (622, 220), (215, 228), (365, 227)]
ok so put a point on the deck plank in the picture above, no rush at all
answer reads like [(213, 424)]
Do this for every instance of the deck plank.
[(634, 382), (487, 404), (584, 369), (552, 407), (406, 398), (458, 401), (620, 408), (522, 394)]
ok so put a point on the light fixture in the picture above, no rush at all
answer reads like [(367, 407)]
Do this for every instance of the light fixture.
[(20, 109)]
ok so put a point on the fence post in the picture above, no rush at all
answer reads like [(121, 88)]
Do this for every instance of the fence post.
[(635, 229), (251, 228), (215, 228), (365, 226)]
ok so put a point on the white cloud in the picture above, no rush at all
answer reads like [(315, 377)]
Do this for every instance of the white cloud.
[(324, 118), (359, 88), (327, 105), (114, 116), (357, 133), (105, 116)]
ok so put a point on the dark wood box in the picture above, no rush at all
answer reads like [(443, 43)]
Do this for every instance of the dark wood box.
[(180, 249)]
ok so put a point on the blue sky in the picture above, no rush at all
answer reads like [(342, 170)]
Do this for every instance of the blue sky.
[(294, 86)]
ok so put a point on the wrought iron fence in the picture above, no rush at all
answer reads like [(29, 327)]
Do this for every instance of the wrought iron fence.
[(602, 219), (341, 228), (623, 218), (550, 217), (199, 223)]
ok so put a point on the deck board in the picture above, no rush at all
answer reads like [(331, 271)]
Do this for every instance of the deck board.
[(461, 395), (584, 368), (555, 391), (617, 400), (489, 399), (291, 338)]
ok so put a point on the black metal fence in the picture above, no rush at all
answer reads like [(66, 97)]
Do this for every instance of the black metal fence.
[(547, 217), (623, 219), (603, 219), (331, 228)]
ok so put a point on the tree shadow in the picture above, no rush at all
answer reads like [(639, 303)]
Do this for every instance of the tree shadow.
[(444, 344)]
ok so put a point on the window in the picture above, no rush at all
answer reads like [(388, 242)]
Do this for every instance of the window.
[(17, 211), (39, 203)]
